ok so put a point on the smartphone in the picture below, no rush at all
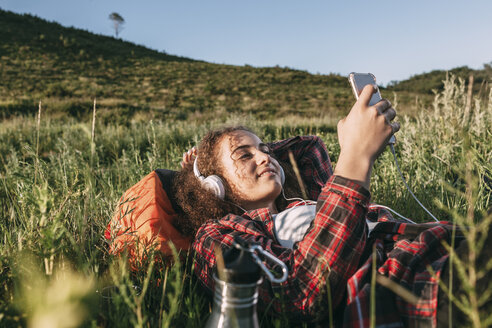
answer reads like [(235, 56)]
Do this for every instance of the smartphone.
[(358, 81)]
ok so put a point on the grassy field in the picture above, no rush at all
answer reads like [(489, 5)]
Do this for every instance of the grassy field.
[(62, 173), (60, 182)]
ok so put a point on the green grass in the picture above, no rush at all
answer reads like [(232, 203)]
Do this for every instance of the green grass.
[(59, 188), (57, 197)]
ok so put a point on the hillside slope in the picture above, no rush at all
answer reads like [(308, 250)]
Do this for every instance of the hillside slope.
[(66, 68), (427, 82)]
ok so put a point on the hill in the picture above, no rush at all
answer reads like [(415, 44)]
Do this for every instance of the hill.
[(66, 68), (426, 83)]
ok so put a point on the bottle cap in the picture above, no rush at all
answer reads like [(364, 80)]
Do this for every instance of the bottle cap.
[(240, 267)]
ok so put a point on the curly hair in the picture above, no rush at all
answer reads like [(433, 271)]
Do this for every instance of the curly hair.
[(199, 204)]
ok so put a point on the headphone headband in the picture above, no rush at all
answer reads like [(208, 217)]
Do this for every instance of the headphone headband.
[(196, 171)]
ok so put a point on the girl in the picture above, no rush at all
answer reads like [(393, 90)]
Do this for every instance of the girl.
[(328, 244)]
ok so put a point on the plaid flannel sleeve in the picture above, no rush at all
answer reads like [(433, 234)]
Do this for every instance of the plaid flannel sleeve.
[(331, 249)]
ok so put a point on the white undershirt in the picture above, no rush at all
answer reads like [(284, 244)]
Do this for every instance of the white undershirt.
[(291, 224)]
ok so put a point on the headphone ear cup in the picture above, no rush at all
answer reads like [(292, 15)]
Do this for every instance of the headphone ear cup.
[(282, 175), (215, 185)]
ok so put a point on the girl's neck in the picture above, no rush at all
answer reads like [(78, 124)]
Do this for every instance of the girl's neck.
[(270, 206)]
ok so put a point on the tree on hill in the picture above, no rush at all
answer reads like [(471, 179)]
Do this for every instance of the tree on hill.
[(118, 22)]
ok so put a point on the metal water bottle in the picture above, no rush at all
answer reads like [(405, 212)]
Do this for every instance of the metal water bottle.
[(236, 286)]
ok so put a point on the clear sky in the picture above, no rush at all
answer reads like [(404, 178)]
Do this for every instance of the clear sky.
[(393, 39)]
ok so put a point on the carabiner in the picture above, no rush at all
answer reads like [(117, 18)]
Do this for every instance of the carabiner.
[(240, 243), (271, 277)]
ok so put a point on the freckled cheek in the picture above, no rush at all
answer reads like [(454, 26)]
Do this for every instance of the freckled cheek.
[(245, 174), (242, 183), (243, 189)]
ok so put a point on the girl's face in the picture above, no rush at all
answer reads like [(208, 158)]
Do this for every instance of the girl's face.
[(250, 170)]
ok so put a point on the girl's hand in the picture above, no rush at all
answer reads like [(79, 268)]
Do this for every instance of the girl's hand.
[(188, 158), (363, 135)]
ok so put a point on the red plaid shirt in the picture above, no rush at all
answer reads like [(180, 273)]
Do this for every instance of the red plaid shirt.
[(336, 252)]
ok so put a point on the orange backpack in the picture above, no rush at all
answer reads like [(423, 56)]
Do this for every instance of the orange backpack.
[(143, 221)]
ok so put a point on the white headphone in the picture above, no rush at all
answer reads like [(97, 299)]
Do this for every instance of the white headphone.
[(214, 182)]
